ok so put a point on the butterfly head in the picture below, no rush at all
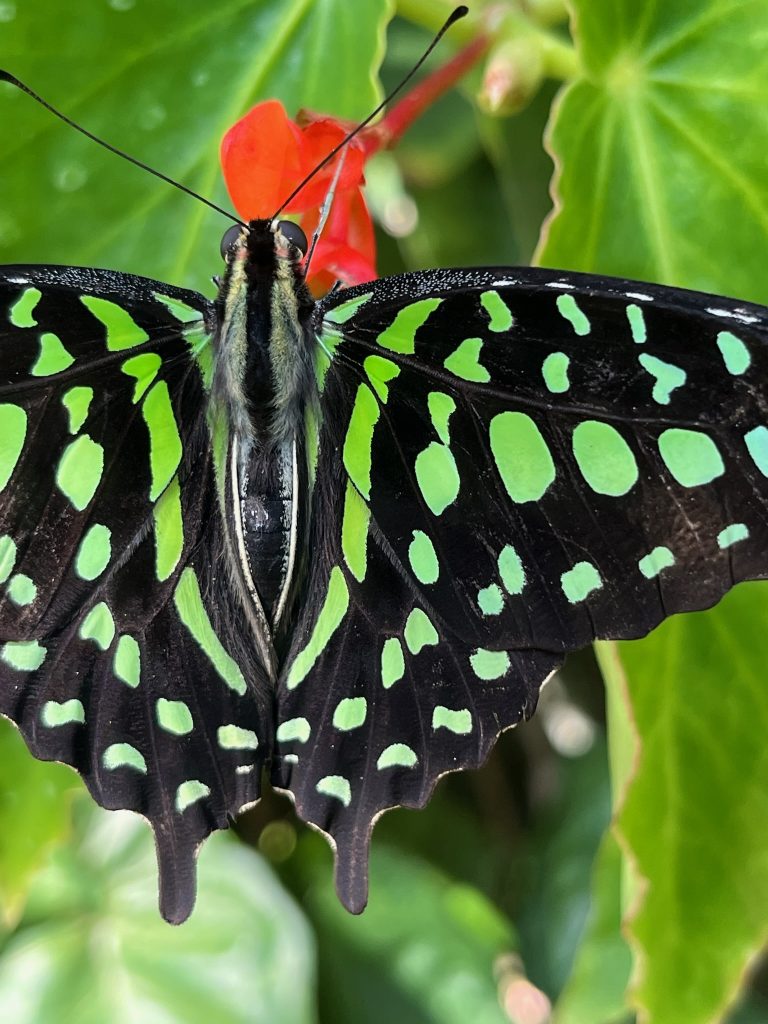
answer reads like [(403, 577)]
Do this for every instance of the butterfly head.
[(283, 238)]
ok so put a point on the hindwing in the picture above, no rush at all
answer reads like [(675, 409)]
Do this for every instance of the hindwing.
[(511, 463), (121, 652)]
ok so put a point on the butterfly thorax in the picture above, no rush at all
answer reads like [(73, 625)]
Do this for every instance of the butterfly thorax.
[(263, 382)]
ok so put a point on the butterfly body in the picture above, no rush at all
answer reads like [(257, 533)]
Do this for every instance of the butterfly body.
[(348, 539)]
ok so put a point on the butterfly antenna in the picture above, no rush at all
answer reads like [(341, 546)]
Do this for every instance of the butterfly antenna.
[(456, 14), (6, 76)]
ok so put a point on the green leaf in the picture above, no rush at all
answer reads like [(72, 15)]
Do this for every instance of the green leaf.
[(93, 947), (595, 990), (661, 145), (35, 800), (695, 815), (163, 82), (424, 949)]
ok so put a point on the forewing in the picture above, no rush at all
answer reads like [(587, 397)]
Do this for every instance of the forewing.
[(511, 464), (120, 653)]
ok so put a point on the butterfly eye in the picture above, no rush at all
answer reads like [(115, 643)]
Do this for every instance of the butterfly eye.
[(293, 233), (231, 235)]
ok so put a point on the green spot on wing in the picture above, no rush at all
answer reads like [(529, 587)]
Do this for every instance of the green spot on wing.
[(53, 357), (397, 755), (756, 441), (580, 581), (656, 561), (99, 626), (734, 352), (123, 755), (421, 555), (511, 570), (392, 662), (328, 621), (336, 786), (380, 372), (21, 312), (189, 793), (21, 590), (690, 456), (437, 476), (174, 716), (122, 331), (54, 714), (554, 370), (346, 310), (459, 722), (400, 336), (488, 665), (464, 362), (79, 471), (297, 730), (359, 439), (23, 655), (94, 552), (501, 318), (127, 661), (77, 402), (354, 532), (604, 458), (184, 313), (233, 737), (732, 535), (490, 600), (164, 441), (668, 377), (636, 323), (522, 457), (441, 408), (419, 631), (7, 557), (144, 369), (13, 431), (169, 530), (350, 713), (189, 605), (569, 309)]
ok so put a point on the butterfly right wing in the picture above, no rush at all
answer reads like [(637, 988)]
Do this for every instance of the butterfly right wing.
[(122, 652)]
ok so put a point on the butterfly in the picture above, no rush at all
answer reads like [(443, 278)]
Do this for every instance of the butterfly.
[(346, 541)]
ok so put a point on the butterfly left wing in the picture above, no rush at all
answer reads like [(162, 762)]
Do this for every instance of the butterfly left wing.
[(511, 463), (121, 651)]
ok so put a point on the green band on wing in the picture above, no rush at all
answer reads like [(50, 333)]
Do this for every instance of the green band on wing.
[(350, 713), (691, 456), (501, 318), (668, 377), (346, 310), (359, 439), (328, 621), (636, 323), (489, 665), (295, 730), (423, 558), (354, 532), (522, 456), (464, 362), (419, 631), (605, 459), (13, 431), (169, 530), (392, 662), (8, 552), (397, 755), (184, 313), (380, 371), (174, 716), (189, 793), (164, 441), (189, 605), (122, 330), (22, 590), (144, 369), (580, 581), (459, 722), (569, 309), (336, 786), (441, 408), (400, 336)]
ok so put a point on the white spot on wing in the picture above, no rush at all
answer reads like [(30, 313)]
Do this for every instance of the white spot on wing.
[(734, 314), (563, 285), (639, 295)]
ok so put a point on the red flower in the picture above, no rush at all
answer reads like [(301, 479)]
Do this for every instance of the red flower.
[(265, 155)]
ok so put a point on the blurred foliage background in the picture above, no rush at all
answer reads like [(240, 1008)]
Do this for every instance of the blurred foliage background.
[(610, 862)]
